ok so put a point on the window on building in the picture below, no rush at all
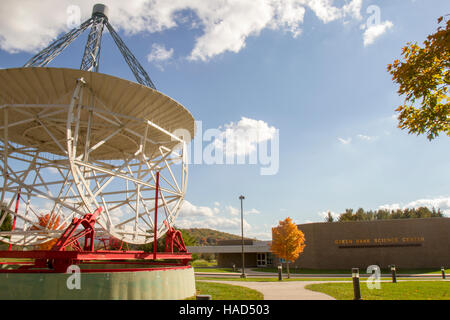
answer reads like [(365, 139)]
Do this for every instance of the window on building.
[(261, 260)]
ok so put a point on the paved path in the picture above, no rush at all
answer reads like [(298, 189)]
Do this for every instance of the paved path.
[(293, 290)]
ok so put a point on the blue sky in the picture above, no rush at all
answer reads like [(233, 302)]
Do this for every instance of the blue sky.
[(303, 67)]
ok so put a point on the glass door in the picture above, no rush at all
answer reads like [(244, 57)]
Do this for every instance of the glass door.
[(261, 260)]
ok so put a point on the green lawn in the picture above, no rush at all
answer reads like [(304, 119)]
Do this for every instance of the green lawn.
[(254, 279), (200, 269), (383, 271), (219, 291), (15, 260), (257, 279), (404, 290), (204, 263)]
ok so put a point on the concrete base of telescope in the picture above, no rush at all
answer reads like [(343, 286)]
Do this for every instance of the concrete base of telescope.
[(99, 282)]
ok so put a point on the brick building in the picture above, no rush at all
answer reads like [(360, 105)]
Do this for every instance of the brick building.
[(406, 243), (229, 253)]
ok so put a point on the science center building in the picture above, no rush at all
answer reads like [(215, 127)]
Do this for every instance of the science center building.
[(405, 243)]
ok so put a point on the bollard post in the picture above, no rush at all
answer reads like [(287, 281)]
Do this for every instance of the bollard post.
[(443, 273), (394, 274), (280, 275), (203, 297), (234, 268), (356, 285)]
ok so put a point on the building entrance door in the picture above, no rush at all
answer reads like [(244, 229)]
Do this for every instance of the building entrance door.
[(261, 260)]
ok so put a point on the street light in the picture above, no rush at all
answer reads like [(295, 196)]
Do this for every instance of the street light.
[(242, 233)]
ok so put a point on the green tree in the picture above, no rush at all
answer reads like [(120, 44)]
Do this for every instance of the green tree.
[(360, 215), (382, 214), (424, 78), (370, 215), (161, 242), (396, 214), (187, 238), (436, 213), (7, 222), (347, 216), (424, 212), (329, 217)]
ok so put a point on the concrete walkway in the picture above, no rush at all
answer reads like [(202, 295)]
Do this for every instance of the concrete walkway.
[(293, 290)]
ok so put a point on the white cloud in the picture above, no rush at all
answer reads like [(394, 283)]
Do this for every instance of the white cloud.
[(375, 31), (225, 24), (353, 9), (345, 141), (324, 215), (190, 210), (232, 210), (242, 138), (252, 211), (52, 170), (217, 223), (159, 53), (366, 138), (192, 216), (442, 203), (360, 137)]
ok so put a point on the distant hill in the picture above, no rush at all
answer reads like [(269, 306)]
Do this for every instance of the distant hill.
[(209, 237)]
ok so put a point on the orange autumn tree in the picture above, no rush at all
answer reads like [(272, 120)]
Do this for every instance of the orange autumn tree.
[(53, 225), (287, 241)]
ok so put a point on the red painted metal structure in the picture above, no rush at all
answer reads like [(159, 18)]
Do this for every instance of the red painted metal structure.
[(173, 237), (60, 258), (70, 239), (59, 261), (15, 217), (113, 243), (155, 243), (68, 251)]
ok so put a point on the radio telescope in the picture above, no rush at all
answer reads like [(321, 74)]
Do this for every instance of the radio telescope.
[(73, 141)]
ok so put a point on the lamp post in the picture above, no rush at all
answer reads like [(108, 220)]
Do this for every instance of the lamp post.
[(356, 286), (394, 274), (242, 233)]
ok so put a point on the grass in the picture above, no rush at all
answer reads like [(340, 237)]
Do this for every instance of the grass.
[(200, 269), (257, 279), (204, 263), (219, 291), (267, 279), (334, 271), (404, 290), (15, 260)]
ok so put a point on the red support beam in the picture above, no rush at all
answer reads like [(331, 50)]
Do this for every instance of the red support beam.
[(15, 217), (96, 255), (155, 244), (70, 238)]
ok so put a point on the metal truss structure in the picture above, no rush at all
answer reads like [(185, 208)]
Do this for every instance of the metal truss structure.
[(75, 142), (79, 177), (86, 155), (91, 57)]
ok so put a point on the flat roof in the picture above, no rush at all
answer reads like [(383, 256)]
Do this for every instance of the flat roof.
[(257, 247)]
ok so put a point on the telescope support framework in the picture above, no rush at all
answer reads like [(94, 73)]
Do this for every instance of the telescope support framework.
[(80, 184), (91, 56)]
